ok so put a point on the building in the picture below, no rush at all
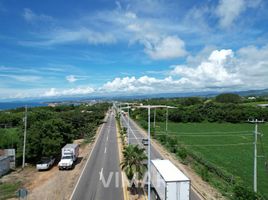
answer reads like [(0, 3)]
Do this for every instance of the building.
[(4, 165), (263, 105), (251, 98)]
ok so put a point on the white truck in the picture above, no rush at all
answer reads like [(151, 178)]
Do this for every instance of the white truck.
[(69, 154), (168, 181)]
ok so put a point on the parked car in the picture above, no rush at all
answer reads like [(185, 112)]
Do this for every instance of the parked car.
[(45, 163)]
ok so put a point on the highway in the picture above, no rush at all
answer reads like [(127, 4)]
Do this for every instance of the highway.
[(101, 177), (135, 137)]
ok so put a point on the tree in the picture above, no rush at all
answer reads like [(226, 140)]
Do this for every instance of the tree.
[(133, 162), (228, 98)]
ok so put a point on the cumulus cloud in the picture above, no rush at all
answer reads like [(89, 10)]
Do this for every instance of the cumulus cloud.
[(52, 92), (167, 48), (229, 10), (145, 84), (216, 71), (158, 44), (222, 69)]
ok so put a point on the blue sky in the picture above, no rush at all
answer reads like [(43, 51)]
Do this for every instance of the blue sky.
[(69, 48)]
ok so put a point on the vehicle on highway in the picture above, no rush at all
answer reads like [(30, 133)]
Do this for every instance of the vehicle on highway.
[(45, 163), (69, 154), (144, 141), (168, 181)]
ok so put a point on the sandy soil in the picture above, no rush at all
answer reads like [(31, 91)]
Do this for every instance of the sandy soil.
[(51, 184)]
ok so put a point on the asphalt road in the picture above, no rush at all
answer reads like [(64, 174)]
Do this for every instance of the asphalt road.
[(135, 137), (101, 177)]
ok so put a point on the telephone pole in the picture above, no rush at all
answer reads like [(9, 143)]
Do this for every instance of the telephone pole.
[(256, 122), (24, 139)]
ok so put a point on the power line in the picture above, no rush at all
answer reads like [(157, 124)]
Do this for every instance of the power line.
[(206, 135), (230, 132)]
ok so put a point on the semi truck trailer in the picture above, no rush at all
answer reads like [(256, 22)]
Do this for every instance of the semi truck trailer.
[(168, 181)]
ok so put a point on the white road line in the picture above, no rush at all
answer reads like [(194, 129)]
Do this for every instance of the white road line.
[(107, 138), (87, 161), (133, 132), (105, 150), (101, 173)]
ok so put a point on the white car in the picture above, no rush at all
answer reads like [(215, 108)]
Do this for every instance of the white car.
[(45, 163)]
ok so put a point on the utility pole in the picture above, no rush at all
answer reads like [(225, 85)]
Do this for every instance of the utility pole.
[(149, 107), (128, 123), (167, 120), (154, 116), (24, 140), (149, 152), (255, 152)]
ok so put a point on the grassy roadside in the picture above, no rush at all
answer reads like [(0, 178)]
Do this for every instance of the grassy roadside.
[(192, 144), (8, 190)]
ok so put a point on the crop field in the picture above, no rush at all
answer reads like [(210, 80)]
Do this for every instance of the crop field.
[(229, 146)]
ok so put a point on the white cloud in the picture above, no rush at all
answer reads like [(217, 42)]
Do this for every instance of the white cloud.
[(167, 48), (74, 78), (30, 16), (13, 93), (71, 78), (52, 92), (213, 72), (229, 10), (224, 70), (21, 78), (144, 84), (80, 35), (158, 36)]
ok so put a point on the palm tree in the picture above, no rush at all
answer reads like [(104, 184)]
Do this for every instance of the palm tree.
[(133, 161)]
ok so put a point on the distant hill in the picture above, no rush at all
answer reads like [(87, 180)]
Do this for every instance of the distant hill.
[(253, 93), (101, 97), (196, 94)]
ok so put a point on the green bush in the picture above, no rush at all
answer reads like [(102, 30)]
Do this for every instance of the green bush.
[(241, 192), (204, 174), (182, 153)]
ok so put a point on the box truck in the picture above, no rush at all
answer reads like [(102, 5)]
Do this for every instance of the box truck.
[(168, 181), (69, 154)]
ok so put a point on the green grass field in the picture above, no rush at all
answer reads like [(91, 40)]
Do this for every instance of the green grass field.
[(229, 146)]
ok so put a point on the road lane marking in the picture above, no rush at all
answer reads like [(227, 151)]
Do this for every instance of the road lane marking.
[(101, 174), (105, 150), (132, 131), (93, 147), (107, 138)]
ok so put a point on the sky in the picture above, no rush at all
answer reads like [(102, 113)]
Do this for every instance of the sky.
[(129, 47)]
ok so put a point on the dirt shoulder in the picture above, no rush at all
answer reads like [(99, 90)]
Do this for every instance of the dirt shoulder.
[(203, 189), (51, 184)]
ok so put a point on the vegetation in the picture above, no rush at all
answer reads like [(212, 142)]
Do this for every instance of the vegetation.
[(8, 190), (133, 161), (225, 149), (48, 129), (228, 98), (212, 136)]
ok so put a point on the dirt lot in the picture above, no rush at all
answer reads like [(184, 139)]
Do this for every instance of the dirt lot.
[(52, 184)]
